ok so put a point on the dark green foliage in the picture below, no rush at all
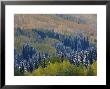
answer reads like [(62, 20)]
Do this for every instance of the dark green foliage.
[(40, 49), (18, 72)]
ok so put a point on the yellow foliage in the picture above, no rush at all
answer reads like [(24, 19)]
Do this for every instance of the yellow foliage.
[(65, 68), (92, 70)]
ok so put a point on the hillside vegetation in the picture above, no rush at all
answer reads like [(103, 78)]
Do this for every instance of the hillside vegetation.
[(55, 45)]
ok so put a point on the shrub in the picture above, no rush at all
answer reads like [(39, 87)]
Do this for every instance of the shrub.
[(65, 68), (92, 70)]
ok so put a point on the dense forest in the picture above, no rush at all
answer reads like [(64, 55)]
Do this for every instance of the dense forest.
[(46, 52)]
